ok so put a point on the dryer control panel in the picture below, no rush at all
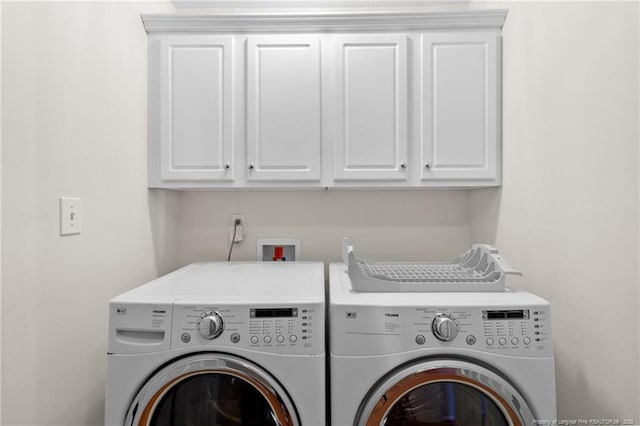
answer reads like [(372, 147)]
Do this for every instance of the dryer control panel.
[(509, 331), (506, 330), (282, 329)]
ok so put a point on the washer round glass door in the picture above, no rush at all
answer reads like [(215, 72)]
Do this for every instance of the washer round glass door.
[(445, 393), (212, 389)]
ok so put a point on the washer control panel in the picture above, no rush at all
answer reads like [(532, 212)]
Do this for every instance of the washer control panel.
[(292, 329), (280, 326), (210, 324)]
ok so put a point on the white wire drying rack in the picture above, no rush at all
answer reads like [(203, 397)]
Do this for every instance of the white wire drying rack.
[(480, 269)]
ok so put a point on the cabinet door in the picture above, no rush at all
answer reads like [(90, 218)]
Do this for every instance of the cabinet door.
[(283, 108), (460, 118), (196, 107), (370, 139)]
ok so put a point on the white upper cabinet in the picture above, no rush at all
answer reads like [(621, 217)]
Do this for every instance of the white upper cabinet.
[(283, 108), (370, 134), (459, 106), (196, 109), (324, 100)]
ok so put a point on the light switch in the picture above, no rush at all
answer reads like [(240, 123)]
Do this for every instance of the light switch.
[(70, 216)]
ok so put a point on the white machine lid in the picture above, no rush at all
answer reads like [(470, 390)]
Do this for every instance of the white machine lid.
[(341, 292), (236, 282)]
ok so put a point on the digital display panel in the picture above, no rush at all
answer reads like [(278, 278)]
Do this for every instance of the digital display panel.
[(274, 313), (506, 314)]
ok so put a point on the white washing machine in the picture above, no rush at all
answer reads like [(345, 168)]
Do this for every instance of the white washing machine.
[(438, 358), (220, 344)]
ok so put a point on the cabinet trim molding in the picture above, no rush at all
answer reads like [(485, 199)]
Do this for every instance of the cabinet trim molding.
[(319, 22)]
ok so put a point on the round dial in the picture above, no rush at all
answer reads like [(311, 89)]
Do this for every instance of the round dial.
[(210, 325), (444, 327)]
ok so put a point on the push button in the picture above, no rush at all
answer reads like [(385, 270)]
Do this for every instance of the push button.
[(254, 339), (420, 339), (235, 338), (293, 338)]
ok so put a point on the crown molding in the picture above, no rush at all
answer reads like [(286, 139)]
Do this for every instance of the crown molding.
[(312, 4), (321, 22)]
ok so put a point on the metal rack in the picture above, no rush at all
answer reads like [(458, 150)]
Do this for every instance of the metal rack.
[(480, 269)]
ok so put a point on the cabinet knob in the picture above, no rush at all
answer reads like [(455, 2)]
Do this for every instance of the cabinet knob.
[(227, 166), (427, 166), (403, 165), (251, 166)]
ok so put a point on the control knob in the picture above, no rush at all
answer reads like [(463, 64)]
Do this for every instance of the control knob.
[(210, 325), (444, 327)]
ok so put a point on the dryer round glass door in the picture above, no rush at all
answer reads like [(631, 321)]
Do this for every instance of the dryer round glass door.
[(212, 389), (447, 393)]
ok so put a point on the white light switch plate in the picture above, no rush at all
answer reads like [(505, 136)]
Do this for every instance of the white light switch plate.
[(70, 216)]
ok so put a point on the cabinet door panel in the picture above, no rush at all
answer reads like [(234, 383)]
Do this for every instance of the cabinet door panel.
[(460, 106), (371, 108), (196, 108), (283, 108)]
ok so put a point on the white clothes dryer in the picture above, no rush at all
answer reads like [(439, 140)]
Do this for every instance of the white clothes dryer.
[(417, 359), (220, 344)]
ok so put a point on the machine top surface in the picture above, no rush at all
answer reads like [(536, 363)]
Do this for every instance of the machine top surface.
[(236, 282), (341, 292)]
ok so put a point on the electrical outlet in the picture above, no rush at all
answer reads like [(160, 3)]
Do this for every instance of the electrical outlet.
[(237, 216), (239, 229), (70, 216)]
